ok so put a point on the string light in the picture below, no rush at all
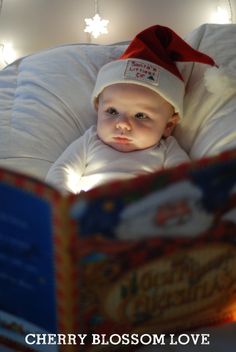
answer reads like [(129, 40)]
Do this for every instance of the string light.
[(7, 53), (223, 13), (96, 25)]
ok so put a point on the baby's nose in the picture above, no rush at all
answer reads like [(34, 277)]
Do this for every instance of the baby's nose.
[(123, 123)]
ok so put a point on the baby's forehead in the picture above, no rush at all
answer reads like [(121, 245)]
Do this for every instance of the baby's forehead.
[(132, 94)]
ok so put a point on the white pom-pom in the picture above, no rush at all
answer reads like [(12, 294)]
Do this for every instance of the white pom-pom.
[(220, 81)]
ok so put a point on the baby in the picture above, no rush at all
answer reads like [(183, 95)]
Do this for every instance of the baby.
[(139, 100), (127, 141)]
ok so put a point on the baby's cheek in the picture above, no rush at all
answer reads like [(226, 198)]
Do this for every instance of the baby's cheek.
[(103, 131)]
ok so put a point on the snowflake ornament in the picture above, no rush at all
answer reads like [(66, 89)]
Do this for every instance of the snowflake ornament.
[(96, 25)]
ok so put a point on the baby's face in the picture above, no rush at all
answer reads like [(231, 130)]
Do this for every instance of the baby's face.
[(132, 117)]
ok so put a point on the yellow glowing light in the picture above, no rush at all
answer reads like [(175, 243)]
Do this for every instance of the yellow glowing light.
[(72, 181), (8, 53), (222, 15), (96, 25)]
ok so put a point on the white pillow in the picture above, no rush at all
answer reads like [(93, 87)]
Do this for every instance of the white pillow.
[(48, 103), (209, 123)]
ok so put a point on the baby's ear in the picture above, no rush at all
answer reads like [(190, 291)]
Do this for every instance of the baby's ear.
[(96, 102), (171, 125)]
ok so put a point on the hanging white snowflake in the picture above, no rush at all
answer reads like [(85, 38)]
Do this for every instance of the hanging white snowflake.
[(96, 25)]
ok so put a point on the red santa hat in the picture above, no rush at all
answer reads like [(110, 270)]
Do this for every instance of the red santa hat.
[(150, 61)]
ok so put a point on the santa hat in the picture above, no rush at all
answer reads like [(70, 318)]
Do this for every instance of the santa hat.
[(150, 61)]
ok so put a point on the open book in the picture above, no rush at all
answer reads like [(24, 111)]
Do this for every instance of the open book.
[(151, 255)]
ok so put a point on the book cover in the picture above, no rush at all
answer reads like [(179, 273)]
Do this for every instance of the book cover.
[(152, 255)]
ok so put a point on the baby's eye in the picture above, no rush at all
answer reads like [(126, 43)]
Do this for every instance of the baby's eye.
[(112, 111), (141, 116)]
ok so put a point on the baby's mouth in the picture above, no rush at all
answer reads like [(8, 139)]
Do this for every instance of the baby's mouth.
[(122, 139)]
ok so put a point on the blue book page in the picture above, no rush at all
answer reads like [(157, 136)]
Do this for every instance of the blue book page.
[(27, 284)]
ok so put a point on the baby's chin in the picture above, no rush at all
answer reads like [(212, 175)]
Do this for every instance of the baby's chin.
[(124, 148), (127, 147)]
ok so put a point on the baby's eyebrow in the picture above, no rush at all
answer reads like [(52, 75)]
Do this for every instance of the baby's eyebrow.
[(107, 101), (147, 108)]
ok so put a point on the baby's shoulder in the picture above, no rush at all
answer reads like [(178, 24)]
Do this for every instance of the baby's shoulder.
[(169, 141), (91, 131), (90, 135)]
